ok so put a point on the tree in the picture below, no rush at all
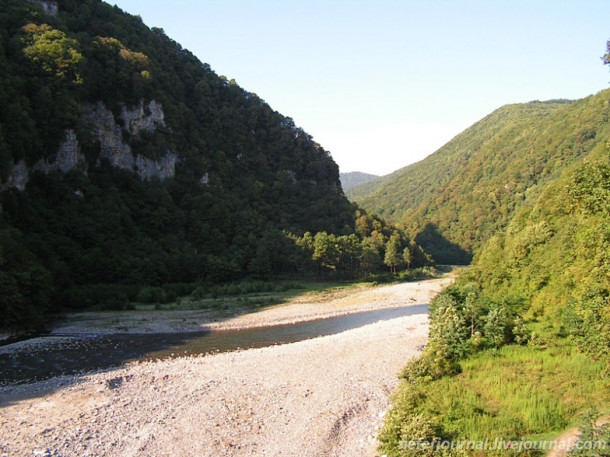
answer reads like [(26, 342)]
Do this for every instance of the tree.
[(606, 56), (53, 51), (370, 258), (472, 308), (325, 250), (496, 326), (448, 329), (25, 286), (392, 258), (407, 256), (349, 252)]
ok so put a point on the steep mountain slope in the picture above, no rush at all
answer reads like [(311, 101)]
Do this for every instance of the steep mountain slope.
[(354, 178), (126, 161), (557, 251), (458, 197), (520, 345)]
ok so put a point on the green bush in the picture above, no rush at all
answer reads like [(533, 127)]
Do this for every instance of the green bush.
[(495, 328), (101, 296), (521, 332), (199, 292), (421, 431), (587, 320), (433, 364), (448, 327), (151, 295)]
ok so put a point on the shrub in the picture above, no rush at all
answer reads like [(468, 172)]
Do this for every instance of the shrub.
[(448, 329), (101, 296), (495, 327), (199, 292), (588, 323), (521, 332), (151, 295), (432, 365)]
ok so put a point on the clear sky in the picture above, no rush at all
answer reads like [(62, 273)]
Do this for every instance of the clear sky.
[(383, 83)]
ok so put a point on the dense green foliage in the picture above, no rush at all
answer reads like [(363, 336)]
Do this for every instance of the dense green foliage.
[(520, 347), (455, 200), (556, 255), (250, 188)]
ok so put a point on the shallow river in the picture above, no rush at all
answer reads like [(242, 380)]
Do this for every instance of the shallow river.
[(78, 354)]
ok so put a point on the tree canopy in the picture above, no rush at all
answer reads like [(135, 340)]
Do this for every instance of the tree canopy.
[(249, 193)]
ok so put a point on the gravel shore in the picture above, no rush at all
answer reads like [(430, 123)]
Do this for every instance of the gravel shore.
[(358, 299), (321, 397)]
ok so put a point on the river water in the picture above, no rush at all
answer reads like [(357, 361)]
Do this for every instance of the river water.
[(77, 354)]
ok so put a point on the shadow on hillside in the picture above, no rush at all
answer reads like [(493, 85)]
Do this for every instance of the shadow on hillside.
[(440, 248)]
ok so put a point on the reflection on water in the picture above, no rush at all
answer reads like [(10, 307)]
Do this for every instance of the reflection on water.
[(84, 353)]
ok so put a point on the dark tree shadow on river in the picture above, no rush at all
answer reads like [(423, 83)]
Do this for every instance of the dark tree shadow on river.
[(73, 357)]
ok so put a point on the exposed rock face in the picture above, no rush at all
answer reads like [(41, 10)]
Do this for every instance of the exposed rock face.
[(136, 120), (162, 169), (291, 175), (68, 155), (18, 177), (67, 158), (142, 118), (113, 146), (110, 136), (49, 7)]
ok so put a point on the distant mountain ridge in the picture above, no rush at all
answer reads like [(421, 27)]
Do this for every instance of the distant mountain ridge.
[(352, 179), (472, 187)]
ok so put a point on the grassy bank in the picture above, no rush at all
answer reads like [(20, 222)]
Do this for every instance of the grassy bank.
[(530, 393)]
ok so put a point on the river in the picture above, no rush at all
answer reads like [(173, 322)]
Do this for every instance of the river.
[(76, 354)]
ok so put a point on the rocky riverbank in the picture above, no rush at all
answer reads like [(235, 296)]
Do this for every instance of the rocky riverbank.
[(321, 397)]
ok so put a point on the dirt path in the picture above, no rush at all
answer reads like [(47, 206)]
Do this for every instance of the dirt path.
[(569, 438), (321, 397)]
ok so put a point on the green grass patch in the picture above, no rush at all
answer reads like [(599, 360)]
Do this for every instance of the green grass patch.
[(512, 393)]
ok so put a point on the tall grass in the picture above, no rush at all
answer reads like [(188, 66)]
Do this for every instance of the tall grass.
[(512, 393)]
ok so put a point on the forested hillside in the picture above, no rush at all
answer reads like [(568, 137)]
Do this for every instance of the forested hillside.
[(125, 162), (519, 347), (355, 178), (457, 198)]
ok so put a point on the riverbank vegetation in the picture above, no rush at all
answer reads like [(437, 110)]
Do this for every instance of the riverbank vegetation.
[(240, 294), (374, 251), (519, 347)]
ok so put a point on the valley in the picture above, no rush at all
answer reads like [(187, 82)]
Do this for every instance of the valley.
[(200, 279)]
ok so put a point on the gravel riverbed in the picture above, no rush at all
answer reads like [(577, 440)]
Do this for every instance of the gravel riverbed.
[(325, 396)]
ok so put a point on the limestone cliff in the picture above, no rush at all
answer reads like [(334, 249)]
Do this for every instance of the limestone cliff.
[(49, 7), (115, 149), (113, 146)]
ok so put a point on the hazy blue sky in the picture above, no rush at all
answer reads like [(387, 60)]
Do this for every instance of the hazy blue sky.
[(383, 83)]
